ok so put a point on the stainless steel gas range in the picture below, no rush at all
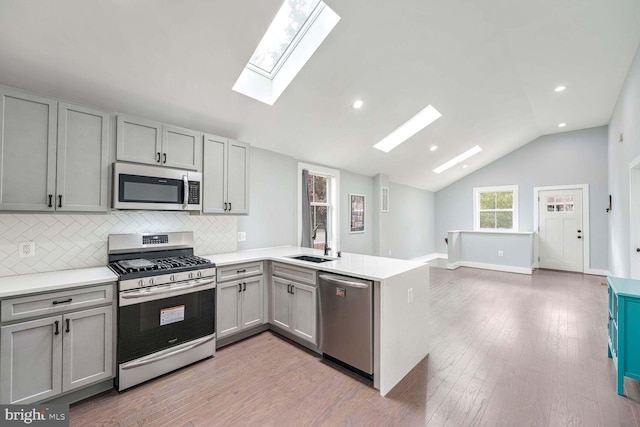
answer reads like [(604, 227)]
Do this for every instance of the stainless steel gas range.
[(166, 304)]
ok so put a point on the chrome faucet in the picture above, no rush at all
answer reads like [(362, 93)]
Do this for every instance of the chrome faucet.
[(326, 236)]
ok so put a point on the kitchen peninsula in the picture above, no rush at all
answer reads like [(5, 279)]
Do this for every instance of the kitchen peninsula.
[(401, 302)]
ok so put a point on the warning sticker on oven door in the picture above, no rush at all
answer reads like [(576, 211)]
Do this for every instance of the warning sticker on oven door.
[(171, 315)]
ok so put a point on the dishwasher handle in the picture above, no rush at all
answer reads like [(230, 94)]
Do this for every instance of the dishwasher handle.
[(348, 283)]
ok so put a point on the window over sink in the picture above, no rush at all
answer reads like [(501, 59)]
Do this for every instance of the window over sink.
[(323, 184)]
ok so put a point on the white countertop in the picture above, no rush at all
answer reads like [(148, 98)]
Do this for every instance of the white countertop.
[(364, 266), (55, 280)]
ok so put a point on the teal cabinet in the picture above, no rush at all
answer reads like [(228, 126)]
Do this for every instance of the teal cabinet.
[(624, 328)]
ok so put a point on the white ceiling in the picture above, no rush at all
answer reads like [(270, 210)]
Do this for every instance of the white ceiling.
[(489, 66)]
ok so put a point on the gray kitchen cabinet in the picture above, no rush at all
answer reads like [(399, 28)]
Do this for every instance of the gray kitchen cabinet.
[(147, 141), (82, 159), (239, 298), (55, 156), (294, 304), (225, 175), (44, 357)]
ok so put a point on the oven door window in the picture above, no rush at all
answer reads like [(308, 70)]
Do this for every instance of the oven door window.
[(146, 189), (156, 325)]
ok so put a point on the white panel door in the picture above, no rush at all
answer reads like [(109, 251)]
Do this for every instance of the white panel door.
[(181, 148), (252, 301), (303, 312), (214, 175), (561, 233), (228, 308), (281, 302), (238, 178)]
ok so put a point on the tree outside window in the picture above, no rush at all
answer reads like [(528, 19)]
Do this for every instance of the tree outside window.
[(320, 207), (495, 208)]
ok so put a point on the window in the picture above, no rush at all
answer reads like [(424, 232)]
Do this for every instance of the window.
[(324, 197), (298, 29), (285, 30), (320, 207), (495, 208)]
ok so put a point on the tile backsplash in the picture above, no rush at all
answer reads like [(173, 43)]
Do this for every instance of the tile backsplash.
[(76, 241)]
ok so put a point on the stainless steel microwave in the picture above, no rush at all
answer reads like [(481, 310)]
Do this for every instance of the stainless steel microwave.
[(143, 187)]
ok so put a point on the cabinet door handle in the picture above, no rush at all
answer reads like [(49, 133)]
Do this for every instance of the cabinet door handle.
[(164, 158), (62, 302), (241, 271), (68, 326), (57, 332), (229, 206), (50, 200), (225, 206), (288, 289), (59, 200), (637, 249), (244, 287), (239, 287), (291, 289), (579, 237), (158, 159)]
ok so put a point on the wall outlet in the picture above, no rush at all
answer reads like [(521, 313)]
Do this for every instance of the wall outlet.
[(500, 253), (242, 236), (26, 249), (410, 295)]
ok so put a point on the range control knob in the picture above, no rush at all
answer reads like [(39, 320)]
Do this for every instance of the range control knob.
[(199, 273), (151, 281), (140, 282), (190, 275), (173, 277)]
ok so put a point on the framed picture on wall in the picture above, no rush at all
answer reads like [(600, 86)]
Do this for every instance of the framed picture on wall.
[(356, 213), (384, 199)]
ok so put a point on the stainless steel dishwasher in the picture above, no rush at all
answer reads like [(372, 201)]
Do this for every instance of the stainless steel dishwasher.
[(346, 320)]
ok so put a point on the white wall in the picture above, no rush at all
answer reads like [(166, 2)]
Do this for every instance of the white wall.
[(411, 222), (360, 243), (577, 157), (625, 120), (273, 203)]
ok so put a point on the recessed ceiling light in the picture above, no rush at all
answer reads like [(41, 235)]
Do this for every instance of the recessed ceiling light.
[(357, 104), (458, 159), (433, 148), (561, 125), (409, 128), (560, 88), (465, 166)]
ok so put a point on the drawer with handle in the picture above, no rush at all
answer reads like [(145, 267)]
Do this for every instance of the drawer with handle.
[(55, 302), (300, 274), (237, 271)]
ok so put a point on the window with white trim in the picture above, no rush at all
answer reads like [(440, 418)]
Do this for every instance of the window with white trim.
[(324, 197), (495, 208)]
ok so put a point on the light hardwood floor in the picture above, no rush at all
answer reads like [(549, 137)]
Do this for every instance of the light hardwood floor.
[(508, 350)]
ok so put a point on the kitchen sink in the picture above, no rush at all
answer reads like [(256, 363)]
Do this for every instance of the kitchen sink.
[(311, 258)]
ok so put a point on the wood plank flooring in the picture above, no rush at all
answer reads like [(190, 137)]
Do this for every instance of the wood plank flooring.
[(507, 350)]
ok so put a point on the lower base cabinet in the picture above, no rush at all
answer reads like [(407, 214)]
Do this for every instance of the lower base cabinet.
[(239, 305), (42, 358), (293, 307)]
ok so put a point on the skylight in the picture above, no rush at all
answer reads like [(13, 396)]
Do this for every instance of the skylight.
[(284, 28), (458, 159), (298, 29), (409, 128)]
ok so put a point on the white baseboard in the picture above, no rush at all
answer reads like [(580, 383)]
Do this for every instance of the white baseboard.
[(597, 272), (495, 267), (430, 257)]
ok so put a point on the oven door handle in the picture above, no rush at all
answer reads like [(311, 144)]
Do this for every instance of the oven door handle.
[(190, 285), (165, 354)]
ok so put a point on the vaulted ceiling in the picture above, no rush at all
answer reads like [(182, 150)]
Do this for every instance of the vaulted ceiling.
[(489, 66)]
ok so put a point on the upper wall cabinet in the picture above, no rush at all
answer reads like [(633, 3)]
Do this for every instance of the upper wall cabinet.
[(55, 156), (225, 175), (146, 141)]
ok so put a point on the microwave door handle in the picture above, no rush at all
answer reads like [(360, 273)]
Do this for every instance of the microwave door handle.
[(185, 199)]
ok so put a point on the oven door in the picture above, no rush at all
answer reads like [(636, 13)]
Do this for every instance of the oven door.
[(160, 317)]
